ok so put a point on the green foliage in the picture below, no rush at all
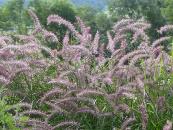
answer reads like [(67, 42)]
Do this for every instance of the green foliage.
[(162, 87), (88, 14), (98, 21), (13, 16), (167, 10), (103, 23), (97, 4), (7, 120)]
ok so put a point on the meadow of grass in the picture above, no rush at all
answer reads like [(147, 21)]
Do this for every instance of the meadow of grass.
[(79, 86)]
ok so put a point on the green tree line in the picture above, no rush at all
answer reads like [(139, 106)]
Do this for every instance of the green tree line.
[(14, 16)]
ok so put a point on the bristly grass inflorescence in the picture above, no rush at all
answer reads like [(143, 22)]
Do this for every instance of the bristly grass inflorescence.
[(88, 82)]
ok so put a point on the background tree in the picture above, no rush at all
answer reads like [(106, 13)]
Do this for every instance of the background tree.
[(88, 14), (13, 16), (167, 10), (104, 23)]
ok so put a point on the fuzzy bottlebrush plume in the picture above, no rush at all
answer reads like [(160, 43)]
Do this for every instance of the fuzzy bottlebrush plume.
[(50, 36), (64, 74), (37, 24), (66, 123), (22, 49), (167, 60), (23, 105), (81, 24), (87, 110), (4, 80), (4, 72), (73, 52), (121, 33), (65, 82), (51, 93), (160, 103), (40, 125), (66, 39), (121, 93), (122, 23), (38, 63), (155, 52), (39, 29), (168, 125), (130, 55), (10, 67), (90, 92), (122, 108), (165, 28), (71, 93), (140, 83), (74, 99), (95, 44), (127, 122), (151, 66), (135, 59), (141, 24), (54, 53), (60, 20), (34, 112), (94, 112), (54, 109), (139, 34), (111, 43), (123, 72), (84, 37), (6, 54), (69, 107), (26, 38), (159, 41), (144, 117), (26, 47), (118, 54), (5, 40), (16, 64), (84, 30)]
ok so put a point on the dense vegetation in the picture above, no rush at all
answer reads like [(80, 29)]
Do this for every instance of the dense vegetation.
[(77, 67)]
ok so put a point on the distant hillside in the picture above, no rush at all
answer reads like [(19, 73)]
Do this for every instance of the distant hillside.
[(99, 4)]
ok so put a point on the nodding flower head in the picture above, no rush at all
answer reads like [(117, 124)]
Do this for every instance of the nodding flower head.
[(54, 53), (90, 77)]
